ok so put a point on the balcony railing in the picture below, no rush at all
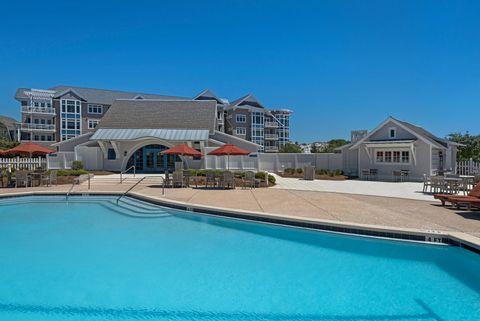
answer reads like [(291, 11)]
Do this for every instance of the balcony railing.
[(271, 149), (271, 124), (42, 127), (38, 110), (271, 136)]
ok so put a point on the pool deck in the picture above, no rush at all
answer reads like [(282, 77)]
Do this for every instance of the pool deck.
[(349, 209)]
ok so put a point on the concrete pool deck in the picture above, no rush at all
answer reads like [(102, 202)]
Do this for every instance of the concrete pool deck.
[(333, 207)]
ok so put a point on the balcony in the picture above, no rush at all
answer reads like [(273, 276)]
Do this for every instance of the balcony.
[(38, 110), (270, 149), (38, 127), (271, 124), (271, 136)]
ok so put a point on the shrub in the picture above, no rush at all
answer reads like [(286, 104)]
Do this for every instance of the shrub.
[(299, 170), (289, 171), (260, 175), (271, 179), (338, 172), (71, 172), (77, 165)]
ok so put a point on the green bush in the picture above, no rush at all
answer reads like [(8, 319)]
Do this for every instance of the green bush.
[(299, 170), (338, 172), (271, 179), (77, 165), (71, 172), (289, 171)]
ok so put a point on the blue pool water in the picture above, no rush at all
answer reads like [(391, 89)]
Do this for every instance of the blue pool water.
[(90, 260)]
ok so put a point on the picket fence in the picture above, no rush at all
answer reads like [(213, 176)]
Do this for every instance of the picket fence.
[(469, 167), (23, 163)]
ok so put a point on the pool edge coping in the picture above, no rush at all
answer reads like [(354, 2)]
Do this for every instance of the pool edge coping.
[(460, 239)]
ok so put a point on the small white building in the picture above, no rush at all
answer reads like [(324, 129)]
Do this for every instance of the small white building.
[(398, 146)]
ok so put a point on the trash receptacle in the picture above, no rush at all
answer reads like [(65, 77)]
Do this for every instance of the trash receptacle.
[(309, 173)]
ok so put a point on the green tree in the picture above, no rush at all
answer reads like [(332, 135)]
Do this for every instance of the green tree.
[(290, 148), (471, 148), (333, 144), (315, 149), (6, 144)]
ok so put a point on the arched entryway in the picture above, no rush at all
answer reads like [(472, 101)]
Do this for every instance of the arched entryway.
[(148, 159)]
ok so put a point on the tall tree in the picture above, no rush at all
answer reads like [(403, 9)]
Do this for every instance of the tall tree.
[(291, 148), (333, 144), (471, 148)]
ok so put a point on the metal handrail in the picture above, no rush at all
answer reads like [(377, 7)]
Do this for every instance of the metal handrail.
[(139, 181), (75, 181), (125, 171)]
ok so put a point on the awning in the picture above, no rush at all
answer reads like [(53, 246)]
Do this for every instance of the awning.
[(165, 134), (390, 144)]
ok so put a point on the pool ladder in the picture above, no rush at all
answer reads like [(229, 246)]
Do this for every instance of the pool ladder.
[(138, 182)]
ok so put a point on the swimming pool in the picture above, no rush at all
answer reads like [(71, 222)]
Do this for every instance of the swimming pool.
[(91, 260)]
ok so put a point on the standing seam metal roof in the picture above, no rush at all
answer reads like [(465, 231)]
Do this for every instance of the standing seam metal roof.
[(166, 134)]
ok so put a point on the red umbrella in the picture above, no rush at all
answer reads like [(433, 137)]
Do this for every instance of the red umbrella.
[(29, 149), (229, 149), (182, 150)]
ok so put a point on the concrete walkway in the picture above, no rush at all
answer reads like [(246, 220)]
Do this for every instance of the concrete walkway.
[(346, 208), (406, 190)]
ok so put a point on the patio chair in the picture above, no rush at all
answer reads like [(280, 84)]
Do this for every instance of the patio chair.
[(177, 179), (22, 179), (210, 179), (227, 180), (427, 183), (50, 179), (457, 200), (437, 184), (397, 176), (249, 180), (365, 174)]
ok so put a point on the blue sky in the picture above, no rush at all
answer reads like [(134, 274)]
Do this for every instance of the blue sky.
[(340, 65)]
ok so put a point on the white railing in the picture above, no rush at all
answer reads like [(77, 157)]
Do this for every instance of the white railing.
[(271, 148), (46, 127), (271, 124), (469, 167), (271, 136), (38, 110), (23, 163)]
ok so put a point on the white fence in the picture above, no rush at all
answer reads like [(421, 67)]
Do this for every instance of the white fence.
[(274, 162), (469, 167), (60, 160), (23, 163)]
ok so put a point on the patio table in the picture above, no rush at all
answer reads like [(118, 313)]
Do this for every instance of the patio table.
[(453, 184)]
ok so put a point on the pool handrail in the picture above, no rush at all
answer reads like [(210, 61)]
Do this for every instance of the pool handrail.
[(138, 182)]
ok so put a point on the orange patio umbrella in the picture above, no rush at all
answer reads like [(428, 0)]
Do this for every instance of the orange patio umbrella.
[(182, 150), (227, 150), (29, 149)]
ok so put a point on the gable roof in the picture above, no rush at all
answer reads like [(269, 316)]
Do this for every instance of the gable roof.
[(417, 131), (93, 95), (106, 96), (207, 94), (245, 100), (160, 114)]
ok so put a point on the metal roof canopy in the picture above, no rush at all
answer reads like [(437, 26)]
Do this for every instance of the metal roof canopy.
[(138, 133), (392, 143)]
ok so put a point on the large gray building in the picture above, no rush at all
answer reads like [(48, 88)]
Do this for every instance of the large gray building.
[(61, 113)]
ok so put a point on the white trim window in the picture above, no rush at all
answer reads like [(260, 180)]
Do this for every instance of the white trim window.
[(240, 118), (392, 156), (92, 123), (241, 131), (392, 132), (95, 109)]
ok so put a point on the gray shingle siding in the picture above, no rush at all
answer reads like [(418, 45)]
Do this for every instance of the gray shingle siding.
[(169, 114)]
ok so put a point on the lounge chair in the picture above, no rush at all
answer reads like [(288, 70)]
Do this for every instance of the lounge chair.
[(457, 200), (249, 180), (22, 179), (227, 180)]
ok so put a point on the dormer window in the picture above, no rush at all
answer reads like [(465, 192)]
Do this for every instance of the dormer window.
[(392, 132)]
